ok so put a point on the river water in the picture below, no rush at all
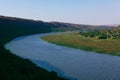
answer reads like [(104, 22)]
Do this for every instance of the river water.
[(67, 62)]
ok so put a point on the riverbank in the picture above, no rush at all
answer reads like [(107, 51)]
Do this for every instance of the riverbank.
[(13, 67), (75, 40), (68, 62), (33, 43)]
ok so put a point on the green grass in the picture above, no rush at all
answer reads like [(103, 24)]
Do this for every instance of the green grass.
[(75, 40)]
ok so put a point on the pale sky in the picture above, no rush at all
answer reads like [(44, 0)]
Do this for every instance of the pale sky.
[(73, 11)]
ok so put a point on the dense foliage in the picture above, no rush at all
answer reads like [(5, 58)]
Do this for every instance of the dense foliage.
[(103, 34)]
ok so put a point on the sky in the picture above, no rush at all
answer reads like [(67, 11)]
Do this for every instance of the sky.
[(95, 12)]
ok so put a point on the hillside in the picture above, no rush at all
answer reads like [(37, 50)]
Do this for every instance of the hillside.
[(118, 27), (81, 27), (11, 27), (13, 67)]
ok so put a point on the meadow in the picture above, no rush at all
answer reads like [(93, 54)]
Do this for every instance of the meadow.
[(75, 40)]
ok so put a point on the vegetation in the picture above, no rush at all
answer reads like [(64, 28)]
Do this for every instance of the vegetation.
[(11, 27), (103, 34), (60, 26), (75, 40), (13, 67), (14, 27)]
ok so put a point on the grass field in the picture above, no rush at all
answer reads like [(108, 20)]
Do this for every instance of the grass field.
[(75, 40)]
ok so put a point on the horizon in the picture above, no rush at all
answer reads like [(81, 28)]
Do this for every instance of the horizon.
[(89, 12), (115, 25)]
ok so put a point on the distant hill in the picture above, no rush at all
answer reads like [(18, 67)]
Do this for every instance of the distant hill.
[(118, 27), (70, 26), (11, 27)]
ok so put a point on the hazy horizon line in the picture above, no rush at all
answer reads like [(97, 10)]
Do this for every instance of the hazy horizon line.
[(59, 21)]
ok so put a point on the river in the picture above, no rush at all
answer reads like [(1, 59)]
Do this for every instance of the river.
[(67, 62)]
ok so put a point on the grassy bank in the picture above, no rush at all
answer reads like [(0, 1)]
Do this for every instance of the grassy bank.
[(75, 40)]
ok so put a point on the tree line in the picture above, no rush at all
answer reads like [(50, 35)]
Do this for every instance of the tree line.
[(103, 34)]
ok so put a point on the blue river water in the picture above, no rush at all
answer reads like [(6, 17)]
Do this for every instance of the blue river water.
[(67, 62)]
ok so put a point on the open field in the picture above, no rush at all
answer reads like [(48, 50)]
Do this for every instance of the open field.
[(75, 40)]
